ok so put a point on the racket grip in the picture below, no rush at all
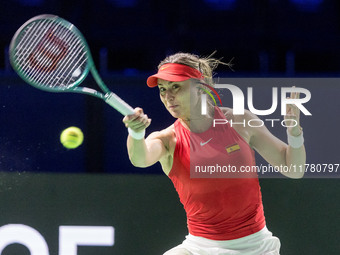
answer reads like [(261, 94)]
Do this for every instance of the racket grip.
[(119, 104)]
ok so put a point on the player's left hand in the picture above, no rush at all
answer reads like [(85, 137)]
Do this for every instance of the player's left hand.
[(292, 116)]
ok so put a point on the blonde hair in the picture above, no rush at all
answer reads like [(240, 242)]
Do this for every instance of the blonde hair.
[(206, 65)]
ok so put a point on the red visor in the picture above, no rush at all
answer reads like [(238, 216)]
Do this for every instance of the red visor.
[(174, 72)]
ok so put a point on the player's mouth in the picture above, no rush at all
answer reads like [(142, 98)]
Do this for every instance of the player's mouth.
[(172, 106)]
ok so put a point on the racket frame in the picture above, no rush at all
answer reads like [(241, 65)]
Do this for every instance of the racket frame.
[(108, 96)]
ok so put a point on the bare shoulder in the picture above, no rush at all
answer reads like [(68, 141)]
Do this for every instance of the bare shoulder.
[(240, 122), (228, 113), (166, 135)]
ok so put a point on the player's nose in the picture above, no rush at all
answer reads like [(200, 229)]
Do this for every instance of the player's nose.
[(169, 96)]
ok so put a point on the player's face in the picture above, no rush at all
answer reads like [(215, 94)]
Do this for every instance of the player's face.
[(178, 97)]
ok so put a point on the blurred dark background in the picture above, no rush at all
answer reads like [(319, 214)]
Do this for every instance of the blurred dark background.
[(139, 33), (265, 38), (287, 38)]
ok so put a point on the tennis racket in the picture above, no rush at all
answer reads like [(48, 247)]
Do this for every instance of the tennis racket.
[(51, 54)]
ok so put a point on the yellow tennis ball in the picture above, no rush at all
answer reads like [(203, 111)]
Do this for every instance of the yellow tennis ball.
[(71, 137)]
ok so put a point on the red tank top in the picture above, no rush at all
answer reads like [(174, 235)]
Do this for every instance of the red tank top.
[(216, 208)]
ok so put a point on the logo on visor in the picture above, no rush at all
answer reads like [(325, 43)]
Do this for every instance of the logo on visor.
[(164, 67)]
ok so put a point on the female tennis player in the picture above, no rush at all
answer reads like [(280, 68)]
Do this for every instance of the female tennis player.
[(224, 215)]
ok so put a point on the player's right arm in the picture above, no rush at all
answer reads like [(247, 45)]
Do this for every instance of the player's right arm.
[(147, 151)]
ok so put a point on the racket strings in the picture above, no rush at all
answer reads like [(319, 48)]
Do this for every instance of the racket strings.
[(41, 53), (56, 78), (50, 54), (30, 47), (72, 69), (28, 42)]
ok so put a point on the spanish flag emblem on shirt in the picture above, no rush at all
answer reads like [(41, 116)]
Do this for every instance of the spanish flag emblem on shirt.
[(232, 148)]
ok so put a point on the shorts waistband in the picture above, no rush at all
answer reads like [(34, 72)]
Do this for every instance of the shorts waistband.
[(227, 243)]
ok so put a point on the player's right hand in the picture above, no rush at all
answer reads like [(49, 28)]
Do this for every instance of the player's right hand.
[(137, 121)]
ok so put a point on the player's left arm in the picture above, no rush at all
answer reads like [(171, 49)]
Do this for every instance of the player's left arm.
[(276, 152)]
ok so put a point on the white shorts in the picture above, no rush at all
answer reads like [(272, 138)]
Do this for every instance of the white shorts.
[(260, 243)]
